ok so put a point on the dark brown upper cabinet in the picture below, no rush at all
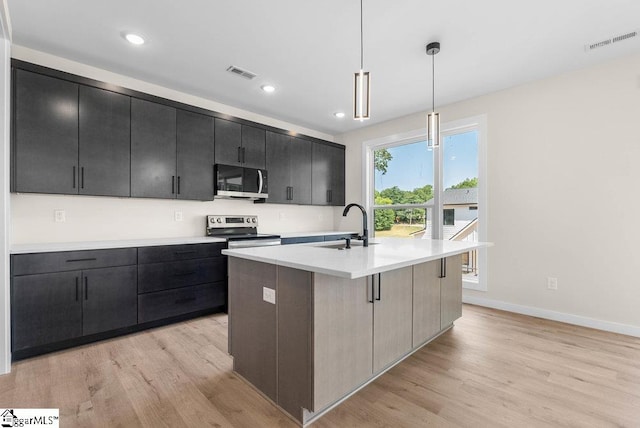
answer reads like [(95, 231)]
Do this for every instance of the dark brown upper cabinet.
[(327, 175), (289, 169), (238, 144)]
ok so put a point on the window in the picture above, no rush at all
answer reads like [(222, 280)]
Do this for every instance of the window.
[(415, 192), (448, 218)]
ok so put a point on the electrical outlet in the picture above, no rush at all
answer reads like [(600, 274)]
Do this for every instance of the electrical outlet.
[(269, 295), (178, 215), (60, 216), (552, 283)]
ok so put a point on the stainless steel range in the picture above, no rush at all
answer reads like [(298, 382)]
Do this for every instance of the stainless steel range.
[(239, 231)]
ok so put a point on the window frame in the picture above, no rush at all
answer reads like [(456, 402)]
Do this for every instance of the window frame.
[(477, 123)]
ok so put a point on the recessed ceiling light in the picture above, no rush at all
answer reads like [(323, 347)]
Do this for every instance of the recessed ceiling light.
[(339, 114), (268, 88), (134, 39)]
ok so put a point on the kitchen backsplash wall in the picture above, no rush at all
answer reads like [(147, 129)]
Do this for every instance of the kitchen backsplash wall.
[(103, 218)]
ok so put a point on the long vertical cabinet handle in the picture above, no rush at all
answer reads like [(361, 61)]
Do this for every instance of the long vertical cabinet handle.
[(76, 288), (443, 268), (82, 177), (178, 185), (371, 289), (173, 184), (86, 288), (379, 282), (239, 154), (74, 177)]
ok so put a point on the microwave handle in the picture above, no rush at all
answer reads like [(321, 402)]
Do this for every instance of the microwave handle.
[(260, 181)]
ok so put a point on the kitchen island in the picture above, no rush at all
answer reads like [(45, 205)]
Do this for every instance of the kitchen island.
[(311, 324)]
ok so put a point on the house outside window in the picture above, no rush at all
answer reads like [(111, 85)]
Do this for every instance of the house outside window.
[(448, 217)]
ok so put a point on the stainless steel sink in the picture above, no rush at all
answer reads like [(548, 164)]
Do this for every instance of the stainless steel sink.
[(342, 245)]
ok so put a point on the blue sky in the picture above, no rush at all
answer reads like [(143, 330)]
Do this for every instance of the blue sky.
[(412, 164)]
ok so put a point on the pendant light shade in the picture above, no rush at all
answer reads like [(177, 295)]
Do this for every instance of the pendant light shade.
[(433, 118), (361, 84)]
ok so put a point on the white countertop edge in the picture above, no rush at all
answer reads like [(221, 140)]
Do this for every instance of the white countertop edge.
[(304, 234), (50, 247), (352, 274)]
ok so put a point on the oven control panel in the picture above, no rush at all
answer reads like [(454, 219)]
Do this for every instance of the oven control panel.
[(228, 221)]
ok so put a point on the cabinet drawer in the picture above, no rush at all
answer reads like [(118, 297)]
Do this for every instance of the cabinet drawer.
[(163, 276), (168, 253), (28, 264), (165, 304)]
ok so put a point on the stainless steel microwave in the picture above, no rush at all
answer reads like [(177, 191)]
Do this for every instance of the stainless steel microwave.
[(238, 182)]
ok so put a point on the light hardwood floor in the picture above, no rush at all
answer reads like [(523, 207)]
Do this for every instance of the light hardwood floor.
[(492, 369)]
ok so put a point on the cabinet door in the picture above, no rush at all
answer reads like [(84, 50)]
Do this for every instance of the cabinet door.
[(105, 151), (451, 291), (253, 147), (300, 171), (45, 134), (392, 320), (109, 299), (426, 301), (278, 167), (321, 174), (228, 140), (337, 176), (195, 156), (342, 336), (153, 150), (45, 309)]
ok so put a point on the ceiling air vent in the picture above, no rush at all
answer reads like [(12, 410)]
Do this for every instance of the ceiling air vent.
[(240, 72), (610, 41)]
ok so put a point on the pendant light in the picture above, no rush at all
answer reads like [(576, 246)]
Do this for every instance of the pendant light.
[(361, 84), (433, 118)]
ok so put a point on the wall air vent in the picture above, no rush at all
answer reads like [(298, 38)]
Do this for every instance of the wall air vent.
[(240, 72), (607, 42)]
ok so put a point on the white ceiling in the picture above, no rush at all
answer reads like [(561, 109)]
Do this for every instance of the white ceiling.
[(310, 49)]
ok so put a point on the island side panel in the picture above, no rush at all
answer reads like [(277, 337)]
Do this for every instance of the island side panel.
[(451, 291), (252, 323), (295, 332), (392, 319), (342, 337), (426, 301)]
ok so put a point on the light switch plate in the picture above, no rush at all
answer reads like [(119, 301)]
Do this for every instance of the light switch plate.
[(269, 295)]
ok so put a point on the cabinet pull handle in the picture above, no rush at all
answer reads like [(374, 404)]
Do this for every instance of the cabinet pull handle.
[(372, 292), (379, 281), (184, 300), (86, 288), (443, 268), (82, 177), (74, 177), (91, 259), (178, 185), (76, 288), (239, 154), (184, 273), (183, 252), (173, 184)]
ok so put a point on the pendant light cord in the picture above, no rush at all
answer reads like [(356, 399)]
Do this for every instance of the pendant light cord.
[(433, 83), (361, 43)]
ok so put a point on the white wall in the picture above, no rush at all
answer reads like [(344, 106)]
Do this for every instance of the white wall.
[(557, 146), (99, 218)]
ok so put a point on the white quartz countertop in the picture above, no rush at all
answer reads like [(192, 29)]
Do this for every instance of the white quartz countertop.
[(383, 254), (99, 245)]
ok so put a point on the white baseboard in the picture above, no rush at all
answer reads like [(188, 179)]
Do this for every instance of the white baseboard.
[(613, 327)]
